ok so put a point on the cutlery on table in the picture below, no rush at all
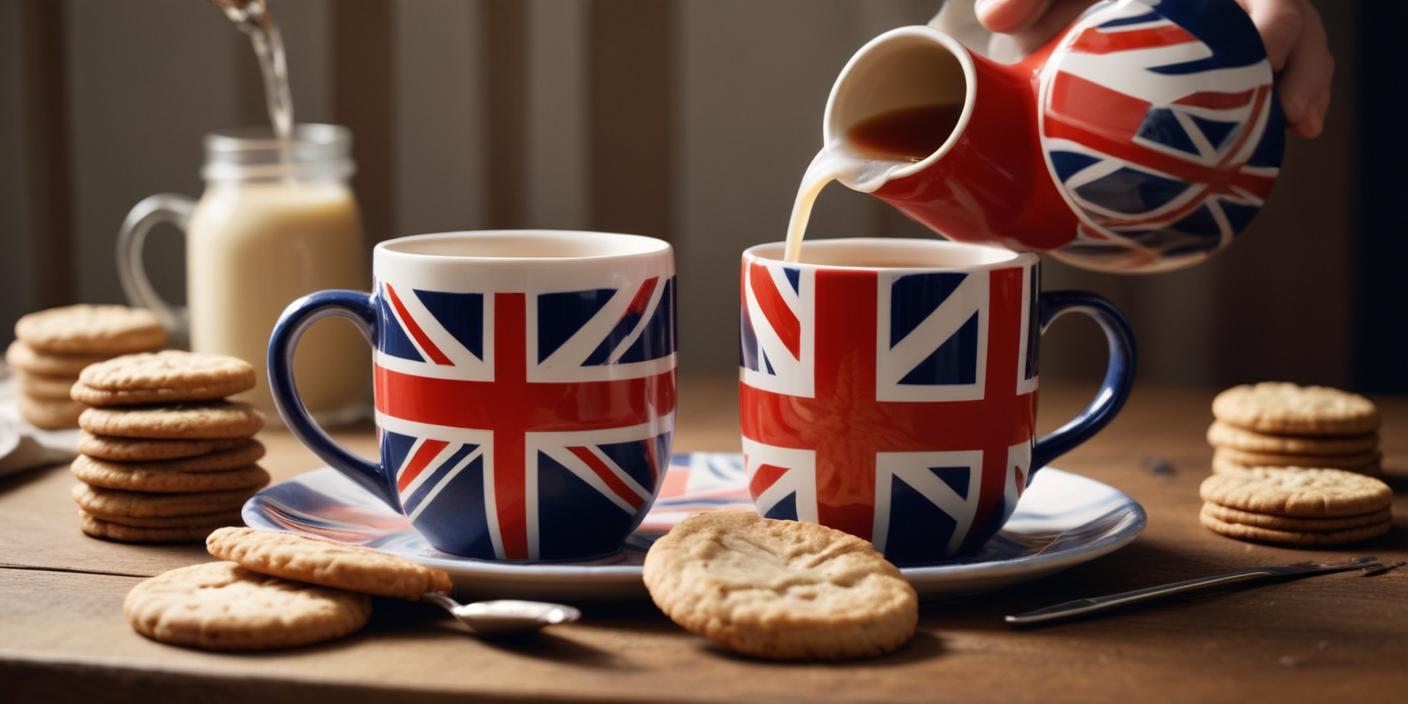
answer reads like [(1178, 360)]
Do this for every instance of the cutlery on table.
[(1083, 607), (505, 616)]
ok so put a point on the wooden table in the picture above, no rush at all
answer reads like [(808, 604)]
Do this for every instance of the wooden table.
[(1334, 638)]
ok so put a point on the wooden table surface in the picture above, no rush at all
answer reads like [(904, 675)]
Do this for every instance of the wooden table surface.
[(1334, 638)]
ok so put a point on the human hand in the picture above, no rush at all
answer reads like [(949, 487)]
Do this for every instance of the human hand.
[(1292, 31)]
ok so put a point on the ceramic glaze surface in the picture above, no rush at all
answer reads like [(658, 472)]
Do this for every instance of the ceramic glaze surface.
[(899, 404), (1063, 519), (1161, 130), (524, 405)]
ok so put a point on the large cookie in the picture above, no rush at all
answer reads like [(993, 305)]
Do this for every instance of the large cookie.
[(113, 475), (1312, 525), (780, 589), (222, 606), (163, 377), (110, 503), (246, 453), (27, 359), (1222, 435), (215, 420), (139, 450), (1280, 408), (1222, 465), (1299, 492), (91, 329), (1293, 538), (327, 563), (209, 521)]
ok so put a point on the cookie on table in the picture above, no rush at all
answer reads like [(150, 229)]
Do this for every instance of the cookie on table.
[(1313, 525), (1294, 538), (109, 503), (326, 563), (210, 420), (782, 590), (120, 532), (1297, 492), (1279, 408), (113, 475), (140, 450), (28, 360), (1360, 462), (222, 606), (170, 376), (1223, 435), (49, 414), (91, 330)]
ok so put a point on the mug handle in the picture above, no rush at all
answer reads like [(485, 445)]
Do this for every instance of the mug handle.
[(1119, 371), (154, 210), (359, 308)]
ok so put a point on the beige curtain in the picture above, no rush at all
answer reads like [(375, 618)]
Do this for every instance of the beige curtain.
[(687, 119)]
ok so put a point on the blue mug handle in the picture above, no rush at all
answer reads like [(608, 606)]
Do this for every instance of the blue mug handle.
[(360, 308), (1119, 371)]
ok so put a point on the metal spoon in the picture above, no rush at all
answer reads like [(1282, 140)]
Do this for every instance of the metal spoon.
[(1083, 607), (505, 616)]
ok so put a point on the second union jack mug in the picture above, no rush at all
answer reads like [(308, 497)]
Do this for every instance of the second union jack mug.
[(524, 386), (888, 387)]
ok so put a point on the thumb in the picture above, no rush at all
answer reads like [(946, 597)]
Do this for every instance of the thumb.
[(1008, 16)]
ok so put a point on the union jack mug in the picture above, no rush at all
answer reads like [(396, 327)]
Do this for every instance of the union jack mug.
[(888, 387), (524, 386)]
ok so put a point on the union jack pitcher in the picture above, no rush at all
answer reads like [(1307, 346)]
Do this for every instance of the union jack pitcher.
[(897, 401), (524, 387)]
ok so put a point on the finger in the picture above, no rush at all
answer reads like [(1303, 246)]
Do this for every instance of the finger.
[(1304, 85), (1280, 24), (1007, 16), (1055, 16)]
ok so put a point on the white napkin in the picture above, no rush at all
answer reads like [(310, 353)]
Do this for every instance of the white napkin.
[(23, 446)]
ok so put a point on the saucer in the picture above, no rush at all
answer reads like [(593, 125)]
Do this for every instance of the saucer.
[(1062, 520)]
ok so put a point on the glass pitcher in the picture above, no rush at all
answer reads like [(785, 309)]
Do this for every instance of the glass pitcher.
[(277, 220)]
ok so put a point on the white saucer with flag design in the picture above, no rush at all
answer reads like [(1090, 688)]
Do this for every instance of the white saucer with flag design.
[(1062, 520)]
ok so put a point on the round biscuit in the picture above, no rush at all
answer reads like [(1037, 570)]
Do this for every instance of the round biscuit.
[(782, 590), (138, 397), (1278, 408), (1222, 465), (1222, 435), (1293, 538), (244, 454), (43, 386), (1309, 525), (139, 450), (112, 475), (209, 521), (1296, 491), (107, 503), (171, 371), (217, 420), (91, 329), (1365, 460), (222, 606), (26, 359), (108, 530), (49, 414), (326, 563)]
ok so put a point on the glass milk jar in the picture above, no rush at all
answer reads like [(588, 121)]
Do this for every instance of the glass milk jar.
[(277, 220)]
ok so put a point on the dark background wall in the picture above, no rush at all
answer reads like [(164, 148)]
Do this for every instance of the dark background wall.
[(687, 119)]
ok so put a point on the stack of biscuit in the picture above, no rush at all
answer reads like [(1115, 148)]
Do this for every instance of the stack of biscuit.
[(1296, 506), (1276, 424), (53, 346), (163, 456)]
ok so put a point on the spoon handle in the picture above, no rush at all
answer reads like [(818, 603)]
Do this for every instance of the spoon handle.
[(1082, 607)]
